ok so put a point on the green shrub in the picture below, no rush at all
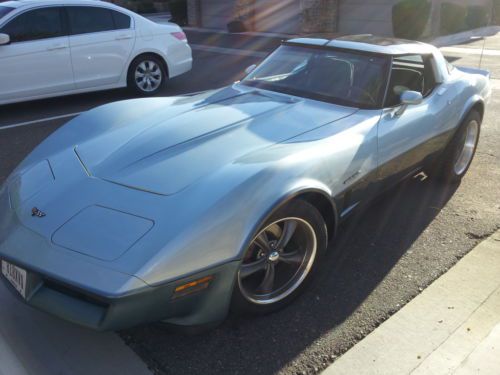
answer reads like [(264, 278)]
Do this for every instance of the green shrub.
[(409, 18), (477, 16), (178, 9), (453, 18), (141, 6)]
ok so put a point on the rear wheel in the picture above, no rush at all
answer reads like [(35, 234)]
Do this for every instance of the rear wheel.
[(281, 259), (459, 154), (146, 75)]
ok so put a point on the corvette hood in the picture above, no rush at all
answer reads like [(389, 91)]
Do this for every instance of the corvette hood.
[(182, 143)]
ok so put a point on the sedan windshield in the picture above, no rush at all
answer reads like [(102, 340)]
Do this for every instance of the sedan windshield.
[(342, 77), (5, 10)]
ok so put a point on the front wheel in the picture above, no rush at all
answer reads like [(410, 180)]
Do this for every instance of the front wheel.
[(281, 259), (146, 75), (459, 154)]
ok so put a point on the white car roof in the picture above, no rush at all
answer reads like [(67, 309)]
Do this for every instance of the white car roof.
[(370, 43), (30, 3)]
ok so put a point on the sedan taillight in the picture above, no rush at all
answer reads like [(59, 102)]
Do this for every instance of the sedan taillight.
[(180, 35)]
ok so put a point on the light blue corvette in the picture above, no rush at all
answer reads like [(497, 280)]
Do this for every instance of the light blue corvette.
[(180, 209)]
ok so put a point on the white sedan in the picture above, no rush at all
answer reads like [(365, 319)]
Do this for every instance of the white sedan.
[(51, 48)]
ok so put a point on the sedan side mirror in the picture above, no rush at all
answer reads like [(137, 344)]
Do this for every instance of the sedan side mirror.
[(409, 98), (4, 39), (250, 69)]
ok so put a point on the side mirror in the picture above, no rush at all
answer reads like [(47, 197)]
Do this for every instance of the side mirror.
[(4, 39), (250, 69), (409, 98)]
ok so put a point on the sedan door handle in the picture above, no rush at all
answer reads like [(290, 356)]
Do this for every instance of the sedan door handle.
[(124, 36), (56, 47)]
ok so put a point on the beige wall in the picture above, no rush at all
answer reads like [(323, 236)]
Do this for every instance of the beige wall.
[(433, 28), (309, 16), (375, 16), (366, 17), (215, 14), (280, 16)]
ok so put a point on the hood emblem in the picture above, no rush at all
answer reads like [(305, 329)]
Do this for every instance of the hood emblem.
[(37, 213)]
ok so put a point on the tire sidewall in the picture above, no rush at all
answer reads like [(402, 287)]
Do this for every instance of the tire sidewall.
[(305, 211), (447, 172), (131, 83)]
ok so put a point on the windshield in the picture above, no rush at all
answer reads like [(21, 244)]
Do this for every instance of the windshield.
[(335, 76), (5, 10)]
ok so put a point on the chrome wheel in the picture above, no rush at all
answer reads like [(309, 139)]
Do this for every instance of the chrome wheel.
[(148, 76), (468, 145), (277, 261)]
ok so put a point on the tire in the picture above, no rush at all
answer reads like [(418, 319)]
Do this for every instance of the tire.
[(298, 225), (459, 153), (146, 75)]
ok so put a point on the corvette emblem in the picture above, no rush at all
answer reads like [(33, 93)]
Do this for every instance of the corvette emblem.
[(36, 212)]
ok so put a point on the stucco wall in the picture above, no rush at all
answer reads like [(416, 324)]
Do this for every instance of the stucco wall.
[(215, 14), (375, 16), (366, 17), (281, 16), (433, 28), (309, 16)]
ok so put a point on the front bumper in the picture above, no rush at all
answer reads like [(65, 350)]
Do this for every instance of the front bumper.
[(149, 304), (86, 291)]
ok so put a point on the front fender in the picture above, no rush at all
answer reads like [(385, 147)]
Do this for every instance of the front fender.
[(218, 227), (295, 190)]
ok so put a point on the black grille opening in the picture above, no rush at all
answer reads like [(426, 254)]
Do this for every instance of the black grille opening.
[(58, 287)]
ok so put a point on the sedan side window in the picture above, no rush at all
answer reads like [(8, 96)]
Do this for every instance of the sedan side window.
[(411, 72), (34, 25), (122, 21), (84, 20)]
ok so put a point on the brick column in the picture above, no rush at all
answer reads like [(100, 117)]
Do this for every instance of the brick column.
[(244, 10), (194, 12), (318, 16)]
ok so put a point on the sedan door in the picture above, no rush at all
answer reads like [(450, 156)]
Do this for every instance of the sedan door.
[(37, 62), (101, 43)]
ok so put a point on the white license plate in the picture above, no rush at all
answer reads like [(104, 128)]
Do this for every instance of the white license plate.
[(16, 276)]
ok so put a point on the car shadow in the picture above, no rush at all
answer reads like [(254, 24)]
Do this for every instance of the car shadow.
[(369, 244)]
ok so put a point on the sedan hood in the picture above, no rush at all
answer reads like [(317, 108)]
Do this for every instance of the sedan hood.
[(188, 139)]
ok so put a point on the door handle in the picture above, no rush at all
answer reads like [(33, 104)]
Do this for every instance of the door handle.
[(123, 37), (56, 47)]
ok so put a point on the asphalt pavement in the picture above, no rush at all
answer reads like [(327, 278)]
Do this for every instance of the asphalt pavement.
[(383, 257)]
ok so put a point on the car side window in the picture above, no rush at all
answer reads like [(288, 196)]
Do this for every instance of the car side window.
[(410, 72), (35, 24), (122, 21), (84, 20)]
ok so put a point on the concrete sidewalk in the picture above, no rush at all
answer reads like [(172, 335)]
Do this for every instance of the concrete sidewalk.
[(453, 327), (32, 342)]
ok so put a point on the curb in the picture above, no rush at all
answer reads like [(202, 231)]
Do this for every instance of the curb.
[(246, 33), (440, 330)]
